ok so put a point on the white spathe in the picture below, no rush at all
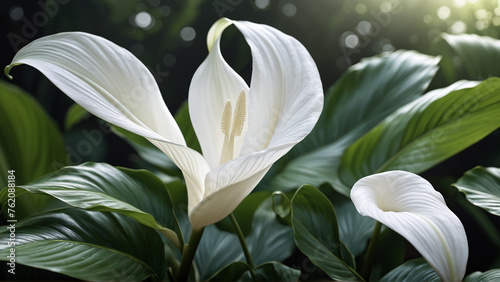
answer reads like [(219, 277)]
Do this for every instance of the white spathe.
[(260, 124), (409, 205)]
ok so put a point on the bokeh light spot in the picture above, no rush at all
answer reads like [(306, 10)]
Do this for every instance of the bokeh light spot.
[(385, 7), (458, 27), (360, 8), (188, 33), (143, 20), (481, 14), (351, 41), (289, 9), (480, 25), (262, 4), (165, 10), (364, 27), (16, 13), (169, 60), (427, 19), (443, 12), (459, 3)]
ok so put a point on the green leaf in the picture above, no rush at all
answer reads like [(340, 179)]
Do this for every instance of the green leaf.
[(268, 240), (101, 187), (426, 132), (390, 253), (354, 229), (364, 95), (30, 142), (231, 272), (478, 57), (413, 270), (316, 234), (86, 245), (481, 186), (74, 115), (275, 271), (271, 271), (490, 275)]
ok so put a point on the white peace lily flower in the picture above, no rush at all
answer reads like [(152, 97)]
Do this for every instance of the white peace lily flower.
[(409, 205), (242, 130)]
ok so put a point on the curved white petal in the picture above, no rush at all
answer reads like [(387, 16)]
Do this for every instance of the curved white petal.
[(112, 84), (286, 94), (227, 185), (409, 205), (213, 84), (105, 79), (222, 202)]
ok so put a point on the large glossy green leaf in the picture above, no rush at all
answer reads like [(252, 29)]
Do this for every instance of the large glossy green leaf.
[(426, 132), (414, 270), (364, 95), (470, 56), (490, 275), (87, 245), (316, 234), (101, 187), (30, 142), (481, 186)]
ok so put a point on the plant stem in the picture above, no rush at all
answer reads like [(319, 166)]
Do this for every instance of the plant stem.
[(244, 246), (188, 254), (370, 253)]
